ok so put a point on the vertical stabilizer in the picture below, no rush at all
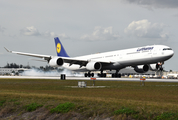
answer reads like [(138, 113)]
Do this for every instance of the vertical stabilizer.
[(59, 48)]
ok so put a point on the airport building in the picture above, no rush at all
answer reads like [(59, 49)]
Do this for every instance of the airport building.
[(5, 71), (11, 71)]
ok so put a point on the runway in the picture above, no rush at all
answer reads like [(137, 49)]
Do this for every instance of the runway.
[(84, 78)]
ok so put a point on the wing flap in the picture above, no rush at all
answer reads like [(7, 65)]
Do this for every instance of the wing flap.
[(82, 62)]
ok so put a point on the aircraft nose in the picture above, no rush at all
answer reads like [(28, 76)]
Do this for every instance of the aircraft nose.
[(171, 53)]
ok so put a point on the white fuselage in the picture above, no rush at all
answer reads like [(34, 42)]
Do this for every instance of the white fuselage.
[(127, 57), (141, 59)]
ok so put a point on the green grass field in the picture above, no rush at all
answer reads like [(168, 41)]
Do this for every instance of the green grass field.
[(119, 100)]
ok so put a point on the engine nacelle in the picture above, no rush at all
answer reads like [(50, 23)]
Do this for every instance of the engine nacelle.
[(94, 66), (154, 67), (141, 68), (56, 62)]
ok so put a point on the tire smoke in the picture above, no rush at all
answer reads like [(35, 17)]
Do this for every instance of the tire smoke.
[(37, 72)]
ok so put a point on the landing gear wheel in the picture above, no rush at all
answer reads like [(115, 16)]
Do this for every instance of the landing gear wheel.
[(89, 74), (86, 75), (92, 74), (119, 75), (115, 75), (104, 74)]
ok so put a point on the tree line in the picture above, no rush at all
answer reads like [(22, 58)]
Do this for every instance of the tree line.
[(14, 65)]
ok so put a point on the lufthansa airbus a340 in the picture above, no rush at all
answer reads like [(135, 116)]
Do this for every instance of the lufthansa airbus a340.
[(142, 59)]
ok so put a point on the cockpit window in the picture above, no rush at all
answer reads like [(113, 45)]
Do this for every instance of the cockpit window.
[(167, 49)]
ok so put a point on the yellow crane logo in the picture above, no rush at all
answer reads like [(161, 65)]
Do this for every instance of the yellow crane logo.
[(58, 48)]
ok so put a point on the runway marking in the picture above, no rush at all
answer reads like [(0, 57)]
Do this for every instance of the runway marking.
[(88, 86), (85, 78)]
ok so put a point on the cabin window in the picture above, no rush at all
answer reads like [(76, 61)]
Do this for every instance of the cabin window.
[(167, 49)]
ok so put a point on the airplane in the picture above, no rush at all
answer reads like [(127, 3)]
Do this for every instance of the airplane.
[(142, 59)]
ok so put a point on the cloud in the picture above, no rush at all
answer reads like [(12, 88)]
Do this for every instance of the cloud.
[(100, 33), (52, 34), (2, 29), (156, 3), (30, 31), (146, 29)]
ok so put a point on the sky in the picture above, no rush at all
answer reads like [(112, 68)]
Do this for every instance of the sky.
[(85, 27)]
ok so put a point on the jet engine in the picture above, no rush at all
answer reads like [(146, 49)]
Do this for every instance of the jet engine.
[(141, 68), (154, 67), (56, 62), (94, 66)]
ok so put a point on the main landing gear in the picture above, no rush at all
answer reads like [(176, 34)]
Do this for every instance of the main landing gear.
[(101, 74), (114, 75), (89, 74)]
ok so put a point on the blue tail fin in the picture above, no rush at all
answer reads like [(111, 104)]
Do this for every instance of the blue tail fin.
[(59, 48)]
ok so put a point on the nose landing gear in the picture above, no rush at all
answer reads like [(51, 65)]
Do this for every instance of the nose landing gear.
[(160, 66)]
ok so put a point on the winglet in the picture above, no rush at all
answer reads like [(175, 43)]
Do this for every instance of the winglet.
[(7, 50), (59, 48)]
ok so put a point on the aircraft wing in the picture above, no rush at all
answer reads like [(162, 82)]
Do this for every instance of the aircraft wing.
[(45, 57), (81, 62)]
